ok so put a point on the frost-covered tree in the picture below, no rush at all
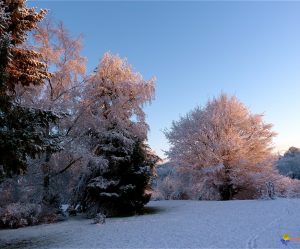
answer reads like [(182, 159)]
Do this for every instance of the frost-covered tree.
[(224, 142), (116, 180), (60, 93), (24, 132), (61, 54), (120, 185), (289, 164), (115, 95)]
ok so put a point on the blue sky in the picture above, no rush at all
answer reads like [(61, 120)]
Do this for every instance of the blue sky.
[(197, 50)]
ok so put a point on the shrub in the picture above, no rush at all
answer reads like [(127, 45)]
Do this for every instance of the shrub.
[(171, 183), (19, 214), (99, 219), (287, 187), (175, 181)]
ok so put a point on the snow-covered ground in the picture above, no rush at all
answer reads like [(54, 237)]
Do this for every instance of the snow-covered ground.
[(173, 224)]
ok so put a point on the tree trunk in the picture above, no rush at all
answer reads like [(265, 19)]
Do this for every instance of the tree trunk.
[(46, 173), (226, 190)]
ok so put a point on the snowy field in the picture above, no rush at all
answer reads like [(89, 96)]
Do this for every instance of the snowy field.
[(173, 224)]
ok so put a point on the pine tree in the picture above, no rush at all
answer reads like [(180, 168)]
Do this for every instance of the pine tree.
[(117, 186), (24, 132)]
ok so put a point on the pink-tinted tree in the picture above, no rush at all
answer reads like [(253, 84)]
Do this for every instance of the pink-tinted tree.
[(224, 141), (60, 93), (116, 180)]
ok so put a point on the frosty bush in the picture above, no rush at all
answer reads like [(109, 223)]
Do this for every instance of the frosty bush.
[(170, 189), (286, 187), (170, 184), (99, 219), (18, 214), (175, 181), (271, 185)]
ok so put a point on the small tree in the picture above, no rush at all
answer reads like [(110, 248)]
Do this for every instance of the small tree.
[(224, 140)]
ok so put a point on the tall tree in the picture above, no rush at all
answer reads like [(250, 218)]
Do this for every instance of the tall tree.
[(116, 181), (60, 93), (24, 132), (225, 139)]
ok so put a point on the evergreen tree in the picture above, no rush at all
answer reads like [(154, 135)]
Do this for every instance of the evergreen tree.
[(24, 132), (117, 185)]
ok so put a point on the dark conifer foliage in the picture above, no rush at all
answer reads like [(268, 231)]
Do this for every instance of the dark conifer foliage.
[(118, 184), (24, 132)]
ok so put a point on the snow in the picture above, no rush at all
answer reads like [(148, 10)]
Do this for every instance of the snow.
[(173, 224)]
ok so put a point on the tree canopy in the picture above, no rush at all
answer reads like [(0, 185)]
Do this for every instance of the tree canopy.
[(223, 136)]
